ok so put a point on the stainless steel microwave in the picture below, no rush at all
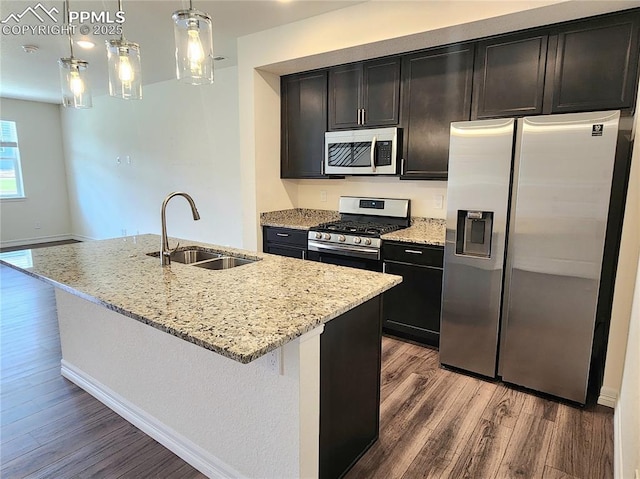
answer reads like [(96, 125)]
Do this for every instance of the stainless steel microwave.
[(361, 152)]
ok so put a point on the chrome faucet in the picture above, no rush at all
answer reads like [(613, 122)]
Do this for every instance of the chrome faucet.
[(165, 251)]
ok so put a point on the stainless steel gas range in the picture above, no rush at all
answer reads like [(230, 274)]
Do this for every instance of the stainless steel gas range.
[(354, 240)]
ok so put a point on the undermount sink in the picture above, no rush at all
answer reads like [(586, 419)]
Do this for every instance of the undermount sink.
[(205, 259), (189, 256), (224, 262)]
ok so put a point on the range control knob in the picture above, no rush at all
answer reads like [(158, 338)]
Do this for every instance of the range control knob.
[(326, 236), (341, 238), (367, 241), (357, 240), (318, 235)]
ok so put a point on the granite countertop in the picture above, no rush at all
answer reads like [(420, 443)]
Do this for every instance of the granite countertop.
[(298, 218), (428, 231), (241, 313)]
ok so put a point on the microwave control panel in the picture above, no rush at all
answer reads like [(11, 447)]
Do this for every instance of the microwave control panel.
[(383, 153)]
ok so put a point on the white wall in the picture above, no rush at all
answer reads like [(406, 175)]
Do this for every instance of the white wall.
[(366, 30), (621, 383), (179, 138), (43, 172), (627, 419), (625, 280)]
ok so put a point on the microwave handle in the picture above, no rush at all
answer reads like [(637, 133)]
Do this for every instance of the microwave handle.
[(373, 153)]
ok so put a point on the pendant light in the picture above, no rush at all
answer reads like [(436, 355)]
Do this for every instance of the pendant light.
[(125, 79), (73, 77), (194, 46)]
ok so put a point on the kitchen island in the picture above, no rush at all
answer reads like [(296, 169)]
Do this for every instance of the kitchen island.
[(230, 369)]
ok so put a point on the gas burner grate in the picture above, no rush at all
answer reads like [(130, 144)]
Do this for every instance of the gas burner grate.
[(359, 228)]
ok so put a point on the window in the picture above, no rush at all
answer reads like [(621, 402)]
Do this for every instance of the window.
[(10, 172)]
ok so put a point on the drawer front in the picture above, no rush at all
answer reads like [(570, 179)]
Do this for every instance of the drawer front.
[(286, 236), (282, 250), (413, 254)]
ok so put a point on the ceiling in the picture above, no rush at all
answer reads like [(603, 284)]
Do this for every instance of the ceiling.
[(34, 76)]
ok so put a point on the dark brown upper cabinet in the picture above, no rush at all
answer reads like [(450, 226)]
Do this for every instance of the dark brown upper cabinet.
[(364, 95), (509, 76), (436, 90), (595, 65), (304, 123)]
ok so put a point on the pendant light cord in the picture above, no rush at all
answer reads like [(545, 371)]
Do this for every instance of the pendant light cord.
[(66, 13), (120, 10)]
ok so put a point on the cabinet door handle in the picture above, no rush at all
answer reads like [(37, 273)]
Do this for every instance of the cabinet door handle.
[(384, 267), (364, 121), (283, 234), (413, 251), (359, 116), (402, 166), (304, 254)]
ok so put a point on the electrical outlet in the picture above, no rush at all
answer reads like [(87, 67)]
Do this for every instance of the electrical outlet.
[(128, 160), (438, 201), (118, 161), (38, 225), (274, 361), (323, 196)]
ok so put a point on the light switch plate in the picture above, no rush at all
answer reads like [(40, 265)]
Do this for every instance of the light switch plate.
[(438, 201), (323, 196)]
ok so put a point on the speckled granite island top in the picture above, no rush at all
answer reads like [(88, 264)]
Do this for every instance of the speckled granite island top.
[(241, 313), (429, 231), (298, 218)]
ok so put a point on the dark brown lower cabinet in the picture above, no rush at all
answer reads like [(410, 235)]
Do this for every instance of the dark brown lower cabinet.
[(412, 309), (284, 242), (350, 355)]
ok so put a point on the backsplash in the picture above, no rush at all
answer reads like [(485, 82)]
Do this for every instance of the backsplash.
[(428, 198)]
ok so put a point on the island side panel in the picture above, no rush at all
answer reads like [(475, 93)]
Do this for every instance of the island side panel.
[(235, 419), (350, 359)]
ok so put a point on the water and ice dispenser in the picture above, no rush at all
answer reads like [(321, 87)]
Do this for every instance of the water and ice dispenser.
[(474, 232)]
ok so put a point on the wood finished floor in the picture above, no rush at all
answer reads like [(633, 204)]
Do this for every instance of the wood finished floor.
[(434, 423)]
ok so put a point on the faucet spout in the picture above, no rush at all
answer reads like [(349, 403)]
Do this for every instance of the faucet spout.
[(165, 251)]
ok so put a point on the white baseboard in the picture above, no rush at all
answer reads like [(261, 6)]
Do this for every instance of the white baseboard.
[(82, 238), (37, 240), (608, 397), (203, 461)]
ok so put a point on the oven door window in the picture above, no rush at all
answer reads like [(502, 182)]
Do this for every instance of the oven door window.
[(352, 154)]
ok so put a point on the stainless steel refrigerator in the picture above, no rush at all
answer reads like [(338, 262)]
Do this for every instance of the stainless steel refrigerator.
[(527, 207)]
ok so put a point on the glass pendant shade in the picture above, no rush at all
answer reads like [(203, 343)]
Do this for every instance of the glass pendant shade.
[(76, 92), (194, 46), (125, 79)]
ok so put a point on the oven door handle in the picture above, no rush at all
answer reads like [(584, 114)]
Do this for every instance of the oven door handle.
[(344, 250)]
